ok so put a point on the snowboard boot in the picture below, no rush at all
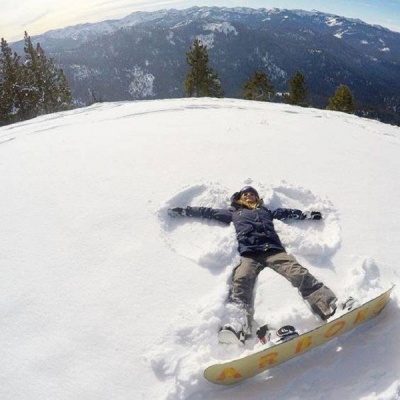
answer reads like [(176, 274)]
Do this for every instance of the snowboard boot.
[(332, 310), (231, 335), (236, 325), (325, 312), (343, 307)]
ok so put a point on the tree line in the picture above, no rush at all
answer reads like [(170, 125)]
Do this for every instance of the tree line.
[(30, 87), (202, 80), (36, 86)]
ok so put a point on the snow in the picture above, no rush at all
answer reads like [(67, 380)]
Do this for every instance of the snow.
[(384, 47), (206, 40), (339, 34), (103, 296), (89, 30), (141, 84), (81, 72), (223, 27), (334, 21)]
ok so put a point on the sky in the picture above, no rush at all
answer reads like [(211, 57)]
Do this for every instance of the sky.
[(39, 16)]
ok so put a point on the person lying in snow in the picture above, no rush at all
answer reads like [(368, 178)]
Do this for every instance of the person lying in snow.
[(260, 247)]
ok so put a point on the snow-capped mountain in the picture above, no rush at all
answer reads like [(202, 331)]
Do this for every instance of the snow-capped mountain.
[(142, 56), (85, 32)]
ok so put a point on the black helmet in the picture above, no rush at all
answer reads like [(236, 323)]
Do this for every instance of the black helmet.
[(236, 196), (249, 189)]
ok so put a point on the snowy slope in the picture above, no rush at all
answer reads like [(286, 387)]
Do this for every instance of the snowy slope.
[(103, 296)]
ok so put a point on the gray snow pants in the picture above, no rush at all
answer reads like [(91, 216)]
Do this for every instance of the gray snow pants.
[(244, 276)]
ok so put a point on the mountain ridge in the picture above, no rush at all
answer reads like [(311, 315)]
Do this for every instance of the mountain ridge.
[(138, 17)]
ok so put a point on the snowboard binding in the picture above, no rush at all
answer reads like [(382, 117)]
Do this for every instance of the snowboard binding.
[(286, 333), (263, 333), (283, 334)]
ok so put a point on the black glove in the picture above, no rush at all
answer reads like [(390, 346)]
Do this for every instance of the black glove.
[(177, 212), (311, 215)]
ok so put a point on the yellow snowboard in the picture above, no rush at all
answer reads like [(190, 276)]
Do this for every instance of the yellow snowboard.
[(235, 371)]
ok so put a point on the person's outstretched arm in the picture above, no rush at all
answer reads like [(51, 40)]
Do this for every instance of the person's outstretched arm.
[(289, 213), (221, 215)]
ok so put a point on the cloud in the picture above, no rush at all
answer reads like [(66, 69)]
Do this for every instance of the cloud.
[(36, 19), (39, 16)]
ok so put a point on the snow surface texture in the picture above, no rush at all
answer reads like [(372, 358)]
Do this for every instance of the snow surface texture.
[(103, 296)]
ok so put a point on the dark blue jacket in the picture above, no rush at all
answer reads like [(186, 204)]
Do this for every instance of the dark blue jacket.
[(254, 227)]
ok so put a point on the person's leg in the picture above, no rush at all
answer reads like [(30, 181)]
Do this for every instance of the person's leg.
[(320, 297), (240, 308), (244, 277)]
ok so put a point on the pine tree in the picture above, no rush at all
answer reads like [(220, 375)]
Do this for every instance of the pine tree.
[(297, 91), (258, 88), (342, 100), (32, 78), (64, 100), (201, 79), (7, 79), (31, 88), (48, 89), (12, 100)]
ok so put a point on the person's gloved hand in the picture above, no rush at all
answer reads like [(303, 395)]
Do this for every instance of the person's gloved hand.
[(177, 212), (311, 215)]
